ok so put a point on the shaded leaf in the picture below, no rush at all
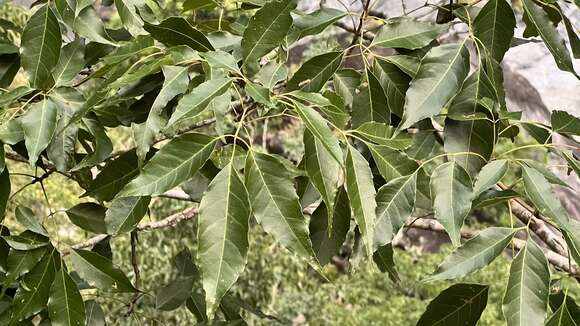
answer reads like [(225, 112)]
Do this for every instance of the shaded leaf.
[(565, 123), (494, 27), (39, 125), (540, 193), (100, 272), (314, 73), (65, 304), (88, 216), (460, 304), (70, 62), (178, 31), (383, 258), (25, 216), (406, 33), (125, 213)]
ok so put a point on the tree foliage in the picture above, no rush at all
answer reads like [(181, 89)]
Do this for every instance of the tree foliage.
[(408, 140)]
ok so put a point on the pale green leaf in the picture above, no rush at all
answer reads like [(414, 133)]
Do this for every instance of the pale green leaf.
[(70, 63), (406, 33), (314, 73), (317, 21), (540, 192), (489, 175), (39, 125)]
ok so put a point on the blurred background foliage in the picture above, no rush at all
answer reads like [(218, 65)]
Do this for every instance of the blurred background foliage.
[(275, 282)]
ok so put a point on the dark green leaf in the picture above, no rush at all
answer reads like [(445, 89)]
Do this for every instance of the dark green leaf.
[(540, 193), (171, 296), (440, 75), (453, 193), (65, 304), (361, 193), (391, 163), (395, 84), (178, 31), (383, 257), (70, 63), (317, 21), (174, 163), (371, 103), (125, 213), (113, 177), (222, 234), (474, 254), (458, 305), (314, 73), (100, 272), (565, 123), (489, 175), (39, 125), (494, 27), (88, 216), (526, 297), (41, 42)]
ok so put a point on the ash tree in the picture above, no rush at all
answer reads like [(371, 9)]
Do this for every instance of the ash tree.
[(401, 129)]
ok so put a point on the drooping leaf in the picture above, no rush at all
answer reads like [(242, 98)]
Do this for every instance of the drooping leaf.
[(33, 297), (361, 193), (171, 296), (125, 213), (540, 193), (102, 145), (39, 125), (88, 216), (565, 123), (194, 103), (391, 163), (453, 193), (345, 82), (395, 84), (371, 103), (113, 177), (224, 214), (489, 175), (317, 21), (178, 31), (61, 150), (20, 262), (474, 254), (89, 25), (100, 272), (41, 42), (314, 73), (492, 197), (539, 20), (65, 304), (266, 29), (129, 16), (440, 75), (25, 216), (406, 33), (175, 83), (561, 317), (459, 305), (317, 125), (326, 238), (395, 203), (174, 163), (324, 172), (26, 240), (275, 203), (70, 62), (94, 313), (526, 298), (383, 258), (494, 27)]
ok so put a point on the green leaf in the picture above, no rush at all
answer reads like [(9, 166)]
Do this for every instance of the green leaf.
[(94, 313), (383, 258), (489, 175), (275, 203), (194, 103), (571, 235), (4, 191), (561, 317), (314, 73), (395, 84), (383, 134), (222, 235), (70, 63), (88, 216), (8, 98), (271, 73), (174, 163), (89, 25), (125, 213), (540, 193), (65, 304), (395, 203), (324, 172), (458, 305), (371, 103), (407, 63), (317, 125), (27, 240), (493, 197), (221, 60), (494, 27), (41, 41), (345, 82), (266, 29), (113, 177), (452, 192), (128, 50), (32, 298), (175, 83), (317, 21), (474, 254), (102, 145), (20, 262), (199, 4), (127, 11), (440, 75), (26, 218), (475, 137), (39, 125), (565, 123), (361, 193), (327, 239), (61, 150), (178, 31), (526, 298), (171, 296), (539, 20), (100, 272), (407, 33), (550, 176), (392, 163)]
